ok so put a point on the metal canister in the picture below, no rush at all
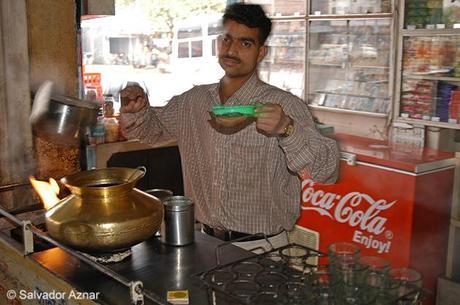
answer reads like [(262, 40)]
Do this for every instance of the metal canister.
[(177, 228)]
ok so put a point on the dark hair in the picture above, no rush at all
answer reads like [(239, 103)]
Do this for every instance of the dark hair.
[(251, 15)]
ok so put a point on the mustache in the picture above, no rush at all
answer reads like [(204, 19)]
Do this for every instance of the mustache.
[(231, 57)]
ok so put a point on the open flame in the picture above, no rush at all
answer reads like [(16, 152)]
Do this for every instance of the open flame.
[(47, 191)]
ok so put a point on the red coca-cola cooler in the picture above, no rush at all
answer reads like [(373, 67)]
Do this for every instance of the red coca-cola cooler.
[(392, 202)]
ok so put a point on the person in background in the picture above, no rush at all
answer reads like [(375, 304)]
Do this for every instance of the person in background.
[(242, 174)]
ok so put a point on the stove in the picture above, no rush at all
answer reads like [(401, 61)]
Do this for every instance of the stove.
[(149, 271)]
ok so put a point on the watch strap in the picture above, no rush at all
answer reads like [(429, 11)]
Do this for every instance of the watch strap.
[(288, 130)]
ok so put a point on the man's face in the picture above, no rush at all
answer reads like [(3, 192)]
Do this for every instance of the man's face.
[(239, 49)]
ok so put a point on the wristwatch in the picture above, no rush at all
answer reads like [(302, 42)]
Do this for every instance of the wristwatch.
[(288, 130)]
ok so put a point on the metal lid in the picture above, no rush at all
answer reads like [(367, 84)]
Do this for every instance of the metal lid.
[(71, 101), (178, 203)]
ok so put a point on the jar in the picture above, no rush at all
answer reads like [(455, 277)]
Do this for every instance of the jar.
[(111, 129)]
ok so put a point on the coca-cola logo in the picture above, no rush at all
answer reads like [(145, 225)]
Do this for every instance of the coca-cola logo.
[(344, 209)]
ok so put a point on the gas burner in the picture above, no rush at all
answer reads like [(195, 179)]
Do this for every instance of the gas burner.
[(107, 258)]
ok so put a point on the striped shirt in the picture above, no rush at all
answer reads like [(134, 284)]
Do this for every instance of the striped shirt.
[(245, 181)]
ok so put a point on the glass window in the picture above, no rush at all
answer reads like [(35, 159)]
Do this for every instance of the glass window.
[(284, 64), (197, 48), (183, 51), (189, 32), (215, 28), (118, 45)]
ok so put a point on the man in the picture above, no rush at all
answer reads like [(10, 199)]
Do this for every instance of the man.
[(246, 181)]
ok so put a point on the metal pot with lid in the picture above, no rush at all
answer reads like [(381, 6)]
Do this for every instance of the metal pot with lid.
[(61, 119), (104, 213)]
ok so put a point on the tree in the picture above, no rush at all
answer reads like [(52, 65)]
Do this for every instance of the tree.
[(163, 13)]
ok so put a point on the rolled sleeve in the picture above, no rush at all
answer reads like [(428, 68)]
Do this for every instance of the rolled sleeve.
[(307, 150)]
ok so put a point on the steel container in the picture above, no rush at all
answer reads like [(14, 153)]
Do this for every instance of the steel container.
[(61, 119), (178, 226)]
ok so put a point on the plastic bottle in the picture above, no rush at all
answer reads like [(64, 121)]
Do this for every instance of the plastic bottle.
[(97, 133)]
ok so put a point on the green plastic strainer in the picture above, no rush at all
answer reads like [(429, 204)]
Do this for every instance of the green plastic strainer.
[(235, 111)]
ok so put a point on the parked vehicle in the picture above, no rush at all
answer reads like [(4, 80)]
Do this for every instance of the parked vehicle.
[(194, 48)]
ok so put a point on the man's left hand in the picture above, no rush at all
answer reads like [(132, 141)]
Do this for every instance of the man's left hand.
[(271, 119)]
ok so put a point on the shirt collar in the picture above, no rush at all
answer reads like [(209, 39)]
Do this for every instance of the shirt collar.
[(243, 95)]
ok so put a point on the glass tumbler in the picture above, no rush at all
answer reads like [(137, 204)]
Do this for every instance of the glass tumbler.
[(377, 272), (242, 289), (343, 254), (219, 277), (266, 298), (325, 286), (352, 274), (270, 280), (296, 293), (376, 264), (271, 261), (247, 269), (295, 256), (408, 290), (354, 295)]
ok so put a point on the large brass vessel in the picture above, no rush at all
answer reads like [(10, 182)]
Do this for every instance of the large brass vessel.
[(104, 213)]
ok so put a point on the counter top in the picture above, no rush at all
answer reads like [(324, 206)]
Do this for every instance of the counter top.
[(158, 266), (416, 160), (383, 153)]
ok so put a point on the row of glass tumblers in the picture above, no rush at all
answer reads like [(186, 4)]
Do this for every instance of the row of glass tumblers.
[(351, 278), (288, 277)]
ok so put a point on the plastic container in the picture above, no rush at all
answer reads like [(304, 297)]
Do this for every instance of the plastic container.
[(237, 110)]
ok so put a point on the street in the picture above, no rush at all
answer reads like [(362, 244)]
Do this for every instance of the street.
[(161, 86)]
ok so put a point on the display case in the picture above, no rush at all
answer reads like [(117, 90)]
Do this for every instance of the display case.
[(350, 47), (337, 54), (349, 64), (284, 65), (428, 82)]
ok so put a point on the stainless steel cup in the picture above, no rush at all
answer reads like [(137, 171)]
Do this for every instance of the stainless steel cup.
[(177, 228)]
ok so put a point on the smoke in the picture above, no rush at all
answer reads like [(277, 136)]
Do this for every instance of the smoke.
[(16, 150)]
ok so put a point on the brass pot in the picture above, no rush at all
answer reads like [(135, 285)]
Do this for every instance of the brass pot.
[(104, 213)]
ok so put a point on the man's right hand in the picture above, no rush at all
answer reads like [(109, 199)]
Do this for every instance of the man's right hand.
[(133, 99)]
